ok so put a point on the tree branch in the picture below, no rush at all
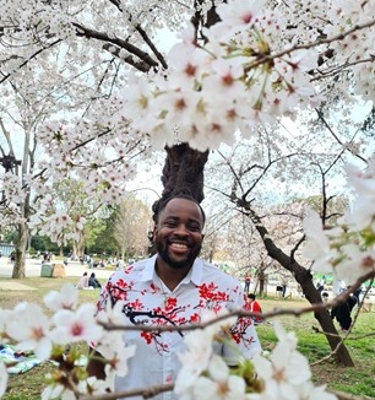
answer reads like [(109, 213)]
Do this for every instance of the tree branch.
[(88, 33)]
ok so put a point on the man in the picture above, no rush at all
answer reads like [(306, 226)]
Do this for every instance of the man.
[(342, 312), (172, 288), (247, 282), (93, 281)]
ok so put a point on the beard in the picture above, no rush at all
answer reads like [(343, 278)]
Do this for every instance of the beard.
[(187, 261)]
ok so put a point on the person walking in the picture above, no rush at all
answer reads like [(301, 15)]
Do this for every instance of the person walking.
[(284, 285), (343, 311), (172, 288), (247, 282)]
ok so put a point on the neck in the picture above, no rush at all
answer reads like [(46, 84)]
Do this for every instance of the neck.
[(170, 276)]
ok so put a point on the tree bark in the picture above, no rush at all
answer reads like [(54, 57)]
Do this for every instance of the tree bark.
[(305, 279), (21, 247)]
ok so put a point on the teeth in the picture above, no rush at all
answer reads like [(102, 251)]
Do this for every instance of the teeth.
[(179, 245)]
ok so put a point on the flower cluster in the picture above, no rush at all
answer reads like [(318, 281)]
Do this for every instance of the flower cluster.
[(230, 83), (284, 374), (48, 337), (348, 249), (237, 80)]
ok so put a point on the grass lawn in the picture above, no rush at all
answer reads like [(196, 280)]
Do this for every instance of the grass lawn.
[(361, 343)]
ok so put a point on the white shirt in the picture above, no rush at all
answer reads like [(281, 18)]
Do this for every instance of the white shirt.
[(149, 302)]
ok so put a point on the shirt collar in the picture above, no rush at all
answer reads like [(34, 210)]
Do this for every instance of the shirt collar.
[(195, 274), (148, 271)]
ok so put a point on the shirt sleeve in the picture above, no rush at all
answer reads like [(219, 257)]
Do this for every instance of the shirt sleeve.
[(109, 292), (245, 341)]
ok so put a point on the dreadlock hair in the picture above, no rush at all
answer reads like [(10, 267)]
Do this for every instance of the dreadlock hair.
[(182, 177)]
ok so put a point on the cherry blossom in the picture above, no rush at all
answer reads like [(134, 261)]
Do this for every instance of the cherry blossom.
[(286, 374), (200, 344), (219, 383), (57, 391), (318, 246), (363, 182), (244, 72), (66, 299), (194, 361), (72, 327), (29, 326), (93, 386), (346, 250), (250, 48), (117, 360), (239, 14)]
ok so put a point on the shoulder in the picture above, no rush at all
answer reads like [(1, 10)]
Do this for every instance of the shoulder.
[(211, 271), (129, 273)]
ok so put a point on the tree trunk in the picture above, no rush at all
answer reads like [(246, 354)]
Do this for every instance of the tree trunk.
[(74, 250), (21, 247), (305, 279), (183, 173)]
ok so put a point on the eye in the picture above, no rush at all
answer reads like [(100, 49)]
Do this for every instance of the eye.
[(194, 228), (170, 223)]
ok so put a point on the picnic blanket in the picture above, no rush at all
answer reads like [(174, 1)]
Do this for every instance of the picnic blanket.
[(17, 362)]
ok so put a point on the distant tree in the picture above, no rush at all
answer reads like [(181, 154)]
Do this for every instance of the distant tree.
[(256, 186), (131, 225), (100, 234)]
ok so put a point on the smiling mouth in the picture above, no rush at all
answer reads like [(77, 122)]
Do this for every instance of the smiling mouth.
[(178, 246)]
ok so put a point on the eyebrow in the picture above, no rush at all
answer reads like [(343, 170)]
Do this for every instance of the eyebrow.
[(191, 219)]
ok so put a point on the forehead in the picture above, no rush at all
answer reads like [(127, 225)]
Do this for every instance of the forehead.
[(182, 209)]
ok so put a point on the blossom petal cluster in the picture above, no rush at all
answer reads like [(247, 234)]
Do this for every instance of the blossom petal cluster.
[(32, 329), (286, 372), (346, 250), (231, 83), (204, 374)]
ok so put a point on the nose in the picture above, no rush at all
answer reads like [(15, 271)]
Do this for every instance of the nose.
[(181, 230)]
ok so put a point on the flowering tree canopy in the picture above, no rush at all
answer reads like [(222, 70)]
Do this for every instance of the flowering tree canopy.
[(96, 75)]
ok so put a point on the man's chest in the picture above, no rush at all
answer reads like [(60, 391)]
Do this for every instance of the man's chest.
[(147, 304)]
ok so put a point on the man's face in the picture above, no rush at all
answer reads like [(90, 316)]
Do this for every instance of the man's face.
[(178, 234)]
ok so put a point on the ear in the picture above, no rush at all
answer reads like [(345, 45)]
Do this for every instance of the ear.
[(154, 233), (203, 235)]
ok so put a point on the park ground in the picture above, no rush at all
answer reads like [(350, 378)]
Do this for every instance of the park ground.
[(357, 381)]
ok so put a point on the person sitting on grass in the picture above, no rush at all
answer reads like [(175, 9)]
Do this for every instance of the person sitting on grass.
[(93, 282), (255, 307), (83, 282)]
